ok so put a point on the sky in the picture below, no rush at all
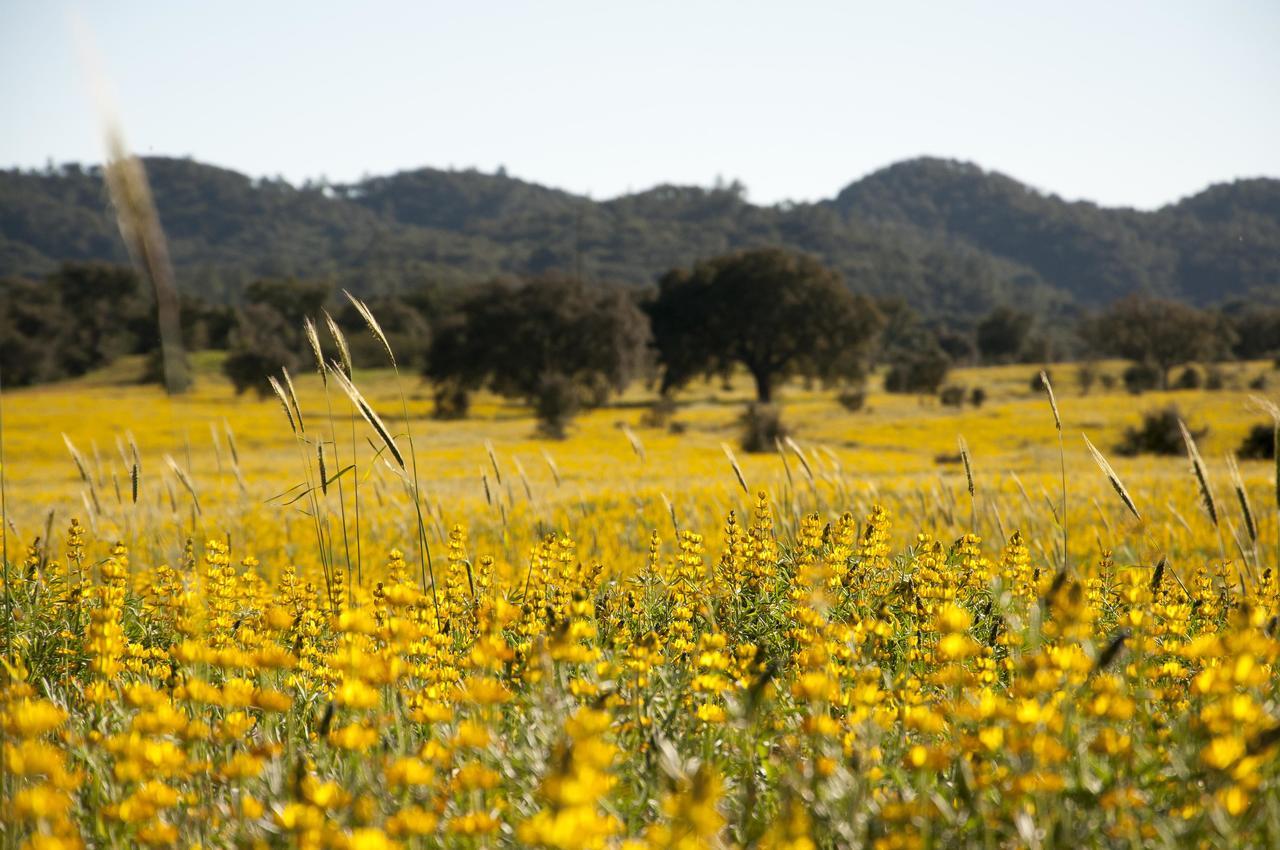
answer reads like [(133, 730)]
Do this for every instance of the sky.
[(1123, 103)]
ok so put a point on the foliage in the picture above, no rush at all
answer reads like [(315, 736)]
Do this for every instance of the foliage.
[(775, 313), (852, 398), (952, 395), (917, 370), (553, 341), (949, 236), (1140, 378), (762, 427), (1158, 332), (1259, 443), (1159, 434), (1003, 333)]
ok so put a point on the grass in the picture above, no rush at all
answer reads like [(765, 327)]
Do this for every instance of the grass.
[(634, 637)]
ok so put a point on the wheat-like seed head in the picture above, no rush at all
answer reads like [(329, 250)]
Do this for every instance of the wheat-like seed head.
[(737, 470), (968, 467), (636, 445), (339, 339), (1053, 401), (367, 411), (493, 460), (804, 462), (284, 402), (1197, 467), (1243, 496), (1116, 483), (185, 480), (551, 464), (314, 339), (374, 327), (293, 398)]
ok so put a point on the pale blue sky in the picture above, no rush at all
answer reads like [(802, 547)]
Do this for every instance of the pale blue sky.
[(1126, 103)]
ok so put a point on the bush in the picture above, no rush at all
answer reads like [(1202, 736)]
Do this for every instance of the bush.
[(1139, 378), (762, 427), (1259, 444), (1158, 435), (1108, 381), (1086, 377), (1259, 383), (1215, 379), (558, 401), (659, 413), (978, 397), (452, 401), (952, 396), (1188, 379), (852, 399), (1037, 383), (917, 371), (260, 348)]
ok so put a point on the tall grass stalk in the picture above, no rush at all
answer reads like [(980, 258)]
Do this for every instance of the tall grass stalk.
[(424, 548), (344, 360), (1116, 483), (313, 338), (1202, 480), (968, 475), (1062, 462), (297, 426)]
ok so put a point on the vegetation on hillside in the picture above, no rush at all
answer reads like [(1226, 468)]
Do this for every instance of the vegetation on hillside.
[(954, 239)]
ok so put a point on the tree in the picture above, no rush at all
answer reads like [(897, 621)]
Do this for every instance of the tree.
[(1003, 333), (262, 344), (918, 369), (773, 312), (554, 342), (1158, 333)]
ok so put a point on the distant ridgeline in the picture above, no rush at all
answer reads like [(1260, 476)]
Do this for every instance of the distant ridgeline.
[(953, 240)]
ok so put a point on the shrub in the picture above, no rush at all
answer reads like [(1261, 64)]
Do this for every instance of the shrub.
[(260, 348), (659, 413), (1188, 379), (1037, 383), (1159, 434), (1259, 383), (1139, 378), (557, 402), (1259, 444), (978, 397), (952, 396), (1215, 379), (762, 427), (1086, 376), (452, 400), (917, 371), (852, 399)]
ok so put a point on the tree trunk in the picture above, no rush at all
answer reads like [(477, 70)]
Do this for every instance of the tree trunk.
[(764, 386)]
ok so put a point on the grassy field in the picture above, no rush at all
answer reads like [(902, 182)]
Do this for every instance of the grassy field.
[(619, 639)]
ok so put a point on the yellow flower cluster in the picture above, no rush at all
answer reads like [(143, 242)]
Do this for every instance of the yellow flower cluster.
[(821, 691)]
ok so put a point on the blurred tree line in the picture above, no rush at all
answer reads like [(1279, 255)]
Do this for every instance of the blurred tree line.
[(561, 344)]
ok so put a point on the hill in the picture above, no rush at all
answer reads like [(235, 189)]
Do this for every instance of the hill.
[(951, 237)]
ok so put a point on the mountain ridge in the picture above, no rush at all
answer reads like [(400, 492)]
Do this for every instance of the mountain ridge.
[(948, 234)]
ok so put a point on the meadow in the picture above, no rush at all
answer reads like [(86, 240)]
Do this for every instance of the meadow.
[(282, 622)]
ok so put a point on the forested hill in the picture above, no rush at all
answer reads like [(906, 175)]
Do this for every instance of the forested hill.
[(954, 239)]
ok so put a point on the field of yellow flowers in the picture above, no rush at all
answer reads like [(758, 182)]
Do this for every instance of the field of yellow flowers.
[(326, 620)]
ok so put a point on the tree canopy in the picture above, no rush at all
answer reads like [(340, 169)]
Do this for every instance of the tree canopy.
[(1159, 333), (553, 341), (774, 312)]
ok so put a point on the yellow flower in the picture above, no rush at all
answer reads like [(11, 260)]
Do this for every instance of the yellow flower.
[(28, 718)]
